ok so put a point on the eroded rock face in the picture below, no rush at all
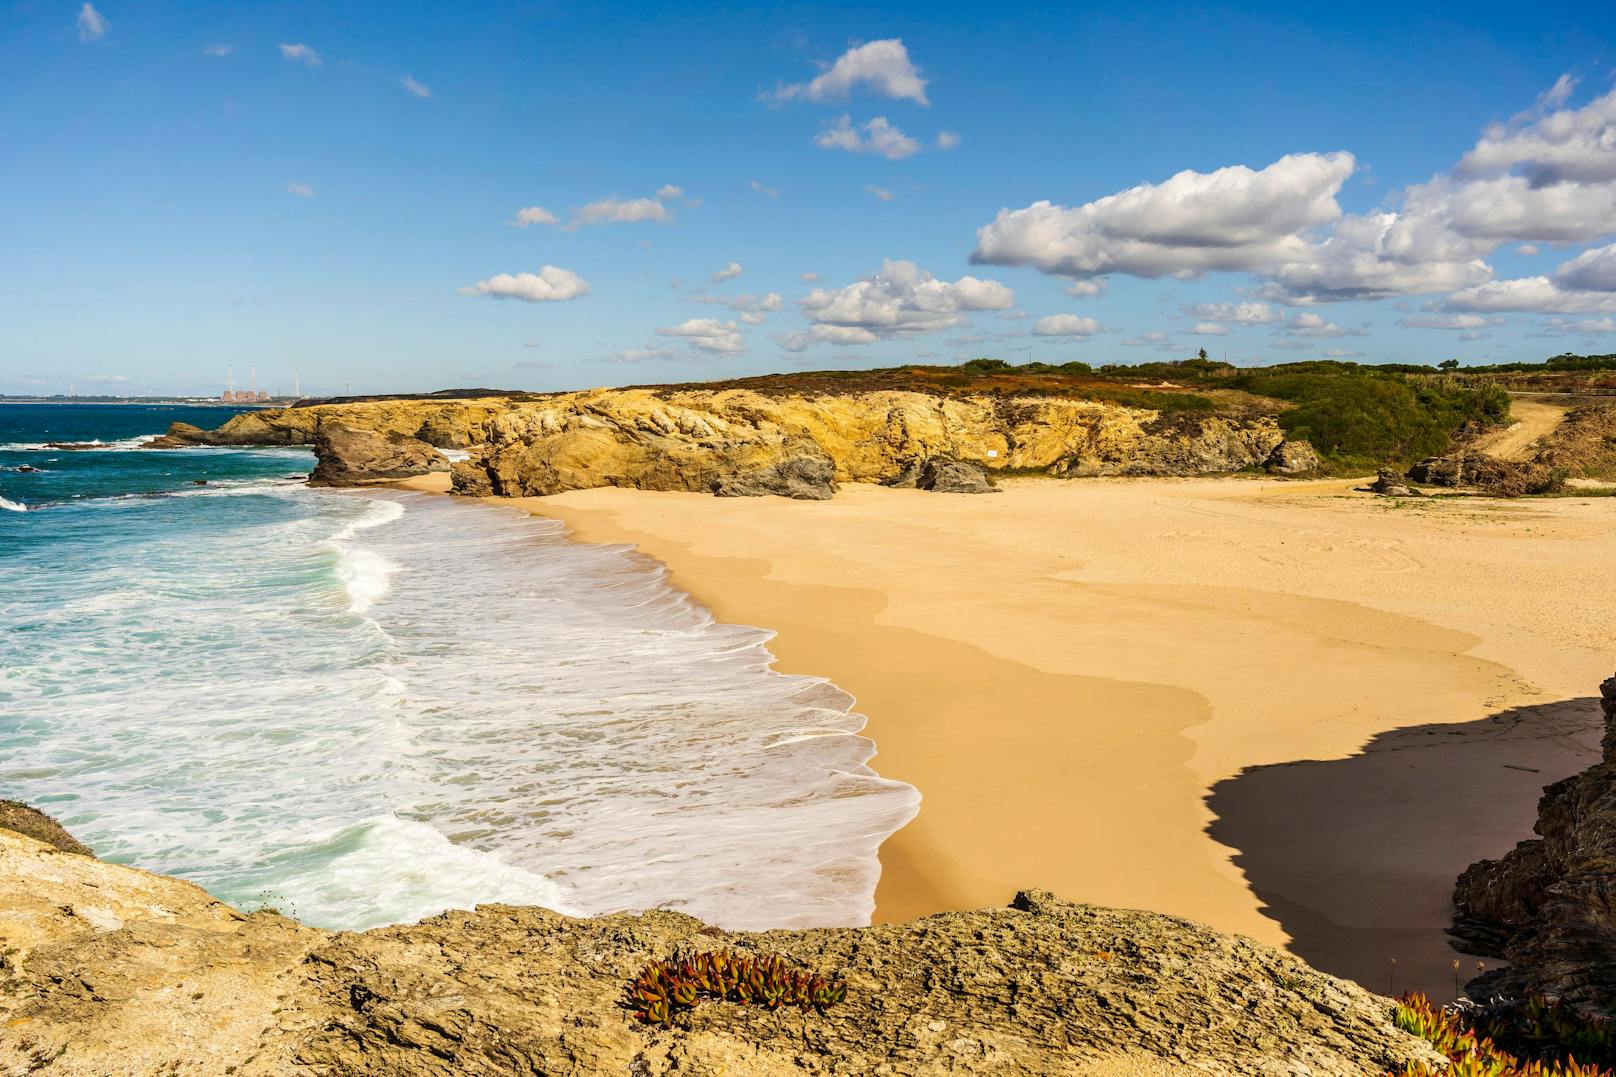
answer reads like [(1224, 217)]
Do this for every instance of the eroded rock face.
[(945, 477), (1293, 458), (112, 970), (1491, 475), (349, 457), (1548, 907)]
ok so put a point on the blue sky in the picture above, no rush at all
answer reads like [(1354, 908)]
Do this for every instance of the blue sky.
[(189, 186)]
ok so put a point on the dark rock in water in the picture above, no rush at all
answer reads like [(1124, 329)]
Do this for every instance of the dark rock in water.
[(1389, 483), (199, 482), (801, 470), (349, 457), (182, 436), (943, 475), (33, 823), (74, 446), (1548, 907), (1293, 458), (25, 468)]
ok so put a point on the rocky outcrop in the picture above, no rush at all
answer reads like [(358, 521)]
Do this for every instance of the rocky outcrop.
[(1294, 458), (1490, 474), (19, 818), (739, 440), (111, 970), (348, 457), (1548, 907), (945, 477), (1390, 483)]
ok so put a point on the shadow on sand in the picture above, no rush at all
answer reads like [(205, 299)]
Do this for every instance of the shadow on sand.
[(1356, 858)]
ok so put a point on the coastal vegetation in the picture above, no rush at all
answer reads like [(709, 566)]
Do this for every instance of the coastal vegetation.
[(1533, 1037), (663, 988)]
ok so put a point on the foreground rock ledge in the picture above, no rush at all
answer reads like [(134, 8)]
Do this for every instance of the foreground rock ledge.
[(110, 970)]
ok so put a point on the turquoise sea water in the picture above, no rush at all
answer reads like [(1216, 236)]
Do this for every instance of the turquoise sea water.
[(364, 707)]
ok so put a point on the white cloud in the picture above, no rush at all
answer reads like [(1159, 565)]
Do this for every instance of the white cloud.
[(532, 215), (1591, 271), (751, 307), (840, 335), (641, 355), (729, 272), (1569, 145), (882, 66), (668, 192), (879, 137), (1210, 329), (1342, 353), (300, 53), (1145, 340), (92, 25), (1448, 321), (1065, 325), (947, 140), (903, 299), (1231, 219), (302, 190), (416, 88), (1473, 335), (550, 284), (1528, 250), (1582, 326), (880, 192), (218, 49), (808, 276), (1238, 313), (1087, 288), (621, 211), (772, 192), (709, 335), (1308, 324)]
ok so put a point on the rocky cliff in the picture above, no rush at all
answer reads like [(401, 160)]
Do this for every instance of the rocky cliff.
[(107, 969), (739, 441), (1548, 907)]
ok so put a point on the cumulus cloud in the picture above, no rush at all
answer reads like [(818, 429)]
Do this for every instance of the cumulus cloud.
[(1065, 325), (900, 300), (1448, 321), (729, 272), (877, 136), (1232, 219), (947, 140), (750, 307), (772, 192), (1145, 340), (841, 335), (299, 53), (709, 335), (551, 284), (1546, 176), (416, 88), (1528, 250), (1590, 326), (218, 49), (1210, 329), (1088, 288), (1585, 284), (882, 66), (1236, 313), (92, 25), (880, 192), (302, 190), (532, 215), (610, 210), (1308, 324)]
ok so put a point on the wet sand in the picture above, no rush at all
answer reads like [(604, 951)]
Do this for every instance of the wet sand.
[(1283, 709)]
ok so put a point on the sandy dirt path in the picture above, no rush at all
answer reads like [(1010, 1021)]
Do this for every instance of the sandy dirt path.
[(1533, 420)]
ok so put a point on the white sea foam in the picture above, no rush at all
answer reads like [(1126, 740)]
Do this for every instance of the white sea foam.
[(12, 506), (516, 718), (454, 455)]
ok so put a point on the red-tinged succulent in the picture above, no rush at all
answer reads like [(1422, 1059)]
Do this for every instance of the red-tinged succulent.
[(1472, 1054), (663, 988)]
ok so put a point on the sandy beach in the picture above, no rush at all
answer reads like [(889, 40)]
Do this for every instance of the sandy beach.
[(1288, 710)]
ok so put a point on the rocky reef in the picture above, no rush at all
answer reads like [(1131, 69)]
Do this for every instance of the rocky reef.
[(1548, 907), (739, 442), (107, 969), (349, 457)]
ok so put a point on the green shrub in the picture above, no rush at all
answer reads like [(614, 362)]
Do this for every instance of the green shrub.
[(1535, 1038)]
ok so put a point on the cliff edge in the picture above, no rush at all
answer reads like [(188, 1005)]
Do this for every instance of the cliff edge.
[(110, 970)]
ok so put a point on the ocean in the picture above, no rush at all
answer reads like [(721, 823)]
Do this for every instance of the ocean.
[(366, 707)]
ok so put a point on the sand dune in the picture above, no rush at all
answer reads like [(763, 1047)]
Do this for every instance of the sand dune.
[(1288, 710)]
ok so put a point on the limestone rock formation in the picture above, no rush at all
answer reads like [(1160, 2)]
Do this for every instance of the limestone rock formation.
[(1293, 458), (945, 477), (110, 970), (1489, 474), (19, 818), (1389, 483), (1548, 907), (349, 457), (796, 468)]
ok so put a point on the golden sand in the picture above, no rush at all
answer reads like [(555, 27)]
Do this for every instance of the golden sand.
[(1288, 710)]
